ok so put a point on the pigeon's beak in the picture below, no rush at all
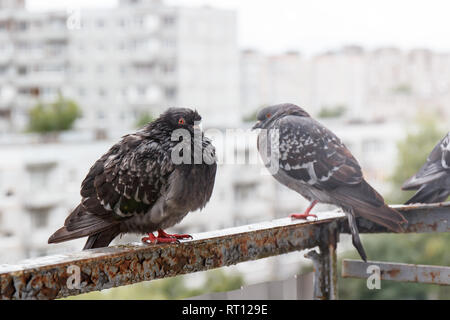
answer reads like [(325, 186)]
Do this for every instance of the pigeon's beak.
[(257, 125)]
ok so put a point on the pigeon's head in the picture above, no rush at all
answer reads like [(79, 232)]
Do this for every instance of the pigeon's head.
[(180, 118), (269, 114)]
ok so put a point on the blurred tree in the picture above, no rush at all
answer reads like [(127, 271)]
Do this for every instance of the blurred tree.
[(332, 112), (143, 119), (402, 89), (251, 117), (170, 288), (412, 154), (54, 117), (431, 249), (219, 281)]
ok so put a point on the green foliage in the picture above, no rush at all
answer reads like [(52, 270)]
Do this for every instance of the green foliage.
[(251, 117), (412, 154), (404, 89), (332, 112), (170, 288), (54, 117), (143, 119), (430, 249)]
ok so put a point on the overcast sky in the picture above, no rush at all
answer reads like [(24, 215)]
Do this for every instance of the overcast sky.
[(311, 26)]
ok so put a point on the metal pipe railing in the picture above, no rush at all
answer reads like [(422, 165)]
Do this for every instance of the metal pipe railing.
[(92, 270)]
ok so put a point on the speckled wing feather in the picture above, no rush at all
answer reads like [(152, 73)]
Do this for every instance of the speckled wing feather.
[(312, 154), (437, 166), (125, 181)]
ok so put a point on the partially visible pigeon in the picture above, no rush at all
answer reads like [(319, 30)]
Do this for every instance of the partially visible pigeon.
[(433, 178), (316, 164), (138, 187)]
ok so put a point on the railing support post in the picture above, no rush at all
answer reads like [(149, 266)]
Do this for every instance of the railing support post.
[(325, 265)]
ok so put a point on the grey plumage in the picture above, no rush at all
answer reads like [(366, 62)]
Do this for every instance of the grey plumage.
[(316, 164), (136, 187), (432, 181)]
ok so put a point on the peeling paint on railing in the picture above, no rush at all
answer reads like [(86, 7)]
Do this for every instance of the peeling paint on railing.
[(56, 276)]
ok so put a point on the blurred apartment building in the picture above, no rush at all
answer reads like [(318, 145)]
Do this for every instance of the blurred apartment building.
[(118, 63), (381, 84), (143, 55)]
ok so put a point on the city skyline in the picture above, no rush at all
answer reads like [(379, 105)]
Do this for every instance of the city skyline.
[(272, 29)]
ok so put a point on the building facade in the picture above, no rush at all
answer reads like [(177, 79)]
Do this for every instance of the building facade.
[(119, 63)]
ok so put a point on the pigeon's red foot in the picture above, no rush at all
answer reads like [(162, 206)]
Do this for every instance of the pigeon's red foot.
[(302, 215), (306, 214), (162, 233), (164, 237)]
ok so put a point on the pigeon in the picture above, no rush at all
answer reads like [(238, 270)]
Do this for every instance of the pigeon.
[(432, 181), (313, 161), (141, 186)]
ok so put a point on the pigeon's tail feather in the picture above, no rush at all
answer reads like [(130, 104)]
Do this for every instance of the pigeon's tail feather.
[(355, 235), (102, 239), (415, 182), (80, 224), (367, 203), (428, 194), (383, 215)]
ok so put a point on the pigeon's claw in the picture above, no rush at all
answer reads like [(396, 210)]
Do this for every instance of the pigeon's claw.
[(302, 215), (305, 214), (164, 237), (163, 234), (159, 239)]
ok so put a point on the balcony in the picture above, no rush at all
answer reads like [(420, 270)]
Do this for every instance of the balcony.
[(47, 277)]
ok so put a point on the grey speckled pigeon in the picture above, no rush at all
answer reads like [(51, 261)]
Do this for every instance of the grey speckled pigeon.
[(316, 164), (136, 187), (432, 181)]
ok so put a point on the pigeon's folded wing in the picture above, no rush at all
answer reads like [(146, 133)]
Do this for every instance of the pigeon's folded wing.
[(436, 166), (312, 154), (127, 180)]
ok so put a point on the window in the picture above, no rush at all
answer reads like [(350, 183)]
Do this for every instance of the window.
[(100, 115), (170, 92), (168, 68), (22, 70), (22, 25), (168, 20), (39, 174), (244, 191), (141, 90), (35, 91), (39, 217), (372, 146)]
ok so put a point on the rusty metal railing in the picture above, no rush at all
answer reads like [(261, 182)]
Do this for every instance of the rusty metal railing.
[(54, 276)]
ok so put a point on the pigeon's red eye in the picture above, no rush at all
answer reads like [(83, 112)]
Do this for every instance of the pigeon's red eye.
[(268, 115), (181, 121)]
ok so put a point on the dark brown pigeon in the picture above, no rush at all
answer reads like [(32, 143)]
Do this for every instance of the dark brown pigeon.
[(432, 181), (138, 187), (311, 160)]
